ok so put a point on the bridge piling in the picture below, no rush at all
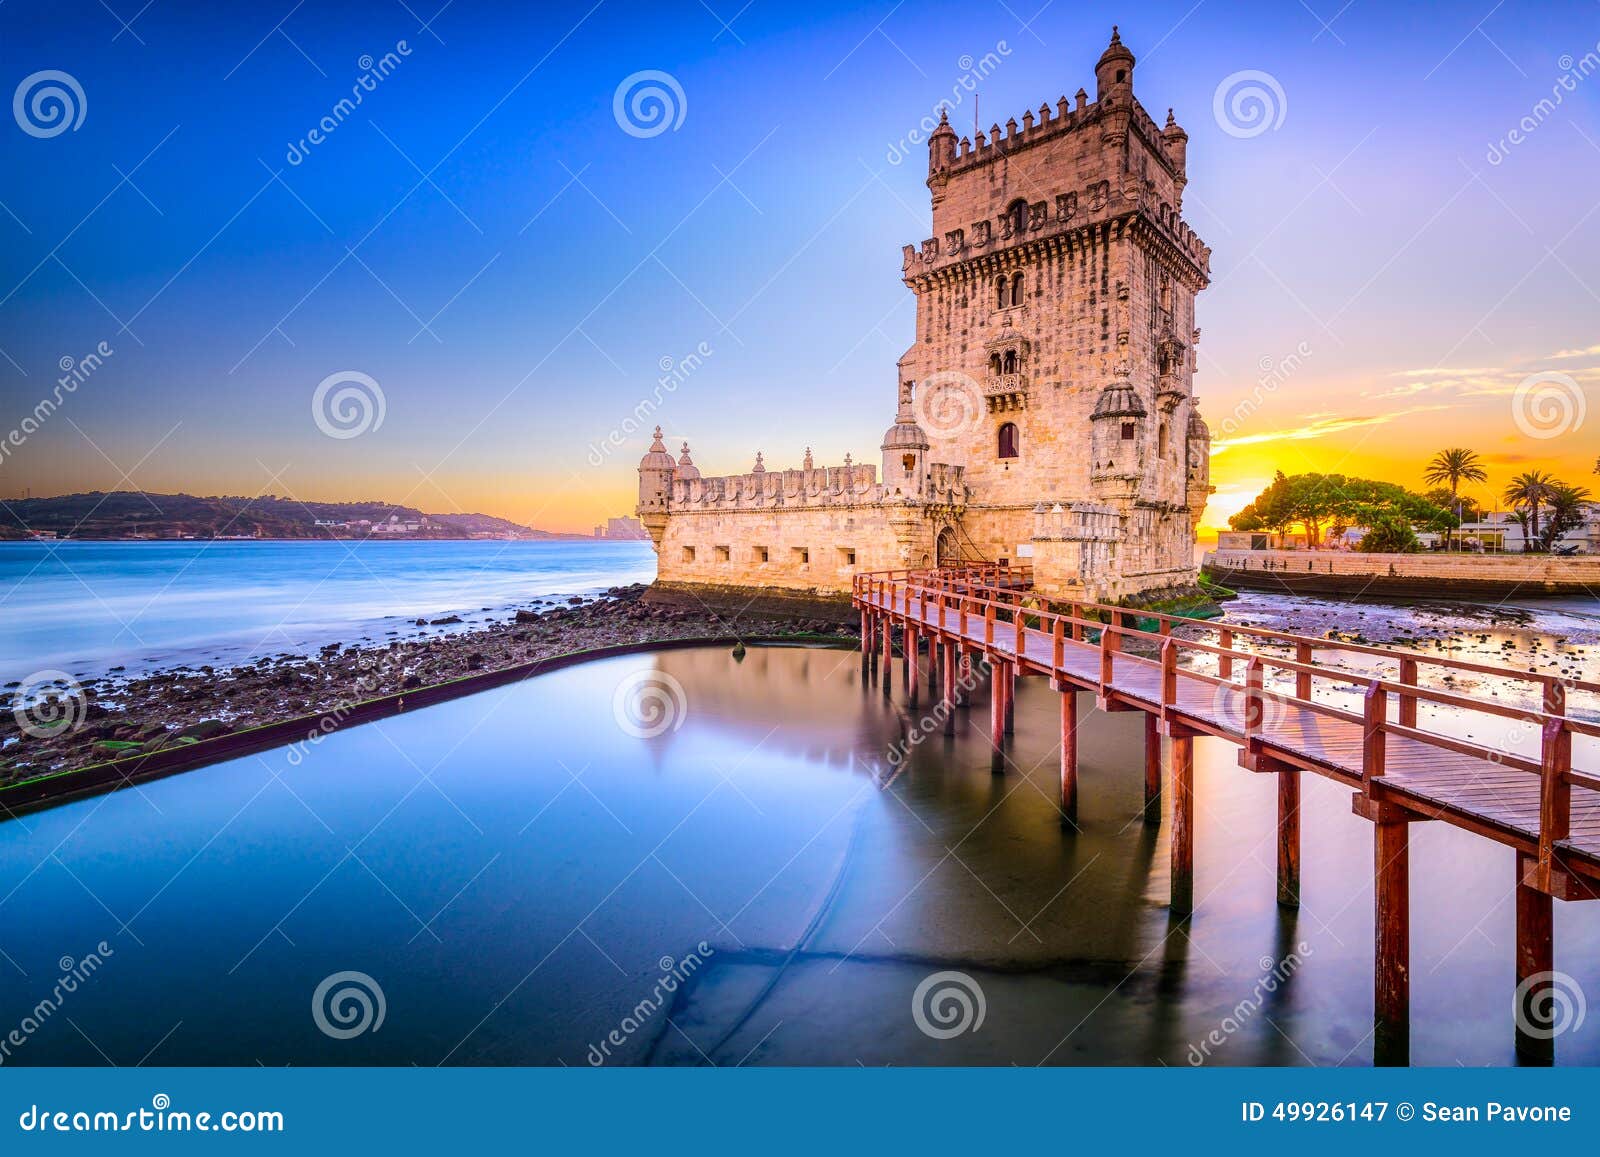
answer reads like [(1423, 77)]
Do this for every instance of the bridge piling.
[(1069, 753), (1391, 965), (1181, 749), (1534, 1035), (1289, 837), (1152, 768)]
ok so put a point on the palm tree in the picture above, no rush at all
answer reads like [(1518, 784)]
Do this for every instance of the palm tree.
[(1451, 468), (1527, 493), (1566, 506)]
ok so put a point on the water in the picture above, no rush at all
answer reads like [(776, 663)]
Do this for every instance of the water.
[(516, 869), (83, 607)]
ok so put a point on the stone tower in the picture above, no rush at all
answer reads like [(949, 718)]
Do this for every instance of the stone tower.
[(1054, 353)]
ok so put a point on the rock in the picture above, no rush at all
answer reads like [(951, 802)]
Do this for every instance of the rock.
[(205, 729), (421, 623), (410, 682), (526, 617), (475, 661), (444, 622)]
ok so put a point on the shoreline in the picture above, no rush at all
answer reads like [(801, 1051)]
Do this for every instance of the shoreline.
[(181, 715)]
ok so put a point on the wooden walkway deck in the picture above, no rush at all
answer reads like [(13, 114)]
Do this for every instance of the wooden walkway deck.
[(1267, 692)]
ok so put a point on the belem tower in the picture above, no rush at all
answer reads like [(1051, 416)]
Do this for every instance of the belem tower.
[(1046, 408)]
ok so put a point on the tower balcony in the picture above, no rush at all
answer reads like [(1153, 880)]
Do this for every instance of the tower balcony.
[(1005, 391)]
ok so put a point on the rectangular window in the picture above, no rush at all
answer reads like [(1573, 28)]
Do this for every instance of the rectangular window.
[(688, 554), (723, 554), (847, 556), (802, 556), (1127, 431), (759, 553)]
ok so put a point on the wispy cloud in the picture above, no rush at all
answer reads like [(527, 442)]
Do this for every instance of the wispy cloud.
[(1320, 426), (1591, 351)]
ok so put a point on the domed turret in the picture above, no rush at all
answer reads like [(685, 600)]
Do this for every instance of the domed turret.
[(1113, 75), (905, 449), (656, 471), (687, 470), (761, 466), (1119, 400), (941, 146), (1177, 142), (657, 458), (1117, 438)]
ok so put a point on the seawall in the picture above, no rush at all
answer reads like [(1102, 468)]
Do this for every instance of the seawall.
[(1463, 576)]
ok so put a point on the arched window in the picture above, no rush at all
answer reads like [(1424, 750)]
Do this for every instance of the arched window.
[(1161, 441), (1008, 440), (1016, 290), (1010, 364), (1000, 293), (994, 364)]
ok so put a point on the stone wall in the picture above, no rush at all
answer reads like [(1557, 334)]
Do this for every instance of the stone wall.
[(1409, 575)]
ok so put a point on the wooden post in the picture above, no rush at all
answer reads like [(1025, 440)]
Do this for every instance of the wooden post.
[(911, 640), (964, 676), (1011, 698), (1302, 679), (1152, 769), (866, 645), (997, 718), (1535, 1035), (948, 667), (933, 665), (1289, 837), (1408, 703), (1069, 754), (888, 654), (1058, 644), (1374, 714), (1391, 989), (1182, 748), (1555, 796), (1225, 662)]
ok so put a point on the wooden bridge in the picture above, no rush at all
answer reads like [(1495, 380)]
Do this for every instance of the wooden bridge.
[(1260, 689)]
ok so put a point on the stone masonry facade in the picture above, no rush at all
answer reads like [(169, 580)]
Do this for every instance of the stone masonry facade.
[(1046, 410)]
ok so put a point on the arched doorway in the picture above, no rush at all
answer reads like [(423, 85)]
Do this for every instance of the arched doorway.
[(946, 550)]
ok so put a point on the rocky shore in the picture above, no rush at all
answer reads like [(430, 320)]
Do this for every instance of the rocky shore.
[(118, 716)]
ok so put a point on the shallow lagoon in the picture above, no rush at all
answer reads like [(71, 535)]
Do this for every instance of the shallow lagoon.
[(516, 869)]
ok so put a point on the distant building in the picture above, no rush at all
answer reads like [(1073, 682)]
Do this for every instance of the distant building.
[(630, 529)]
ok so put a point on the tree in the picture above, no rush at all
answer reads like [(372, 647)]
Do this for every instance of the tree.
[(1526, 495), (1567, 507), (1467, 508), (1451, 468), (1319, 502), (1388, 533)]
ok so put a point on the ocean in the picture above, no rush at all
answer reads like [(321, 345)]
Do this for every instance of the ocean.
[(84, 607)]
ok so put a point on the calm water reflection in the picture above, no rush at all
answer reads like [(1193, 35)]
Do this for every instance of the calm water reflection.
[(515, 870)]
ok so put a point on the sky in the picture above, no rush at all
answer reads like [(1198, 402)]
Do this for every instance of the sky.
[(457, 296)]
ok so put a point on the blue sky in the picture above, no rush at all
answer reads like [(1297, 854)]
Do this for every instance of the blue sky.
[(484, 240)]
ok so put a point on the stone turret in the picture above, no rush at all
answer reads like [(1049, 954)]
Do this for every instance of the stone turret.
[(1198, 456), (1177, 142), (656, 472), (687, 470), (1117, 439), (905, 451), (1113, 75)]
